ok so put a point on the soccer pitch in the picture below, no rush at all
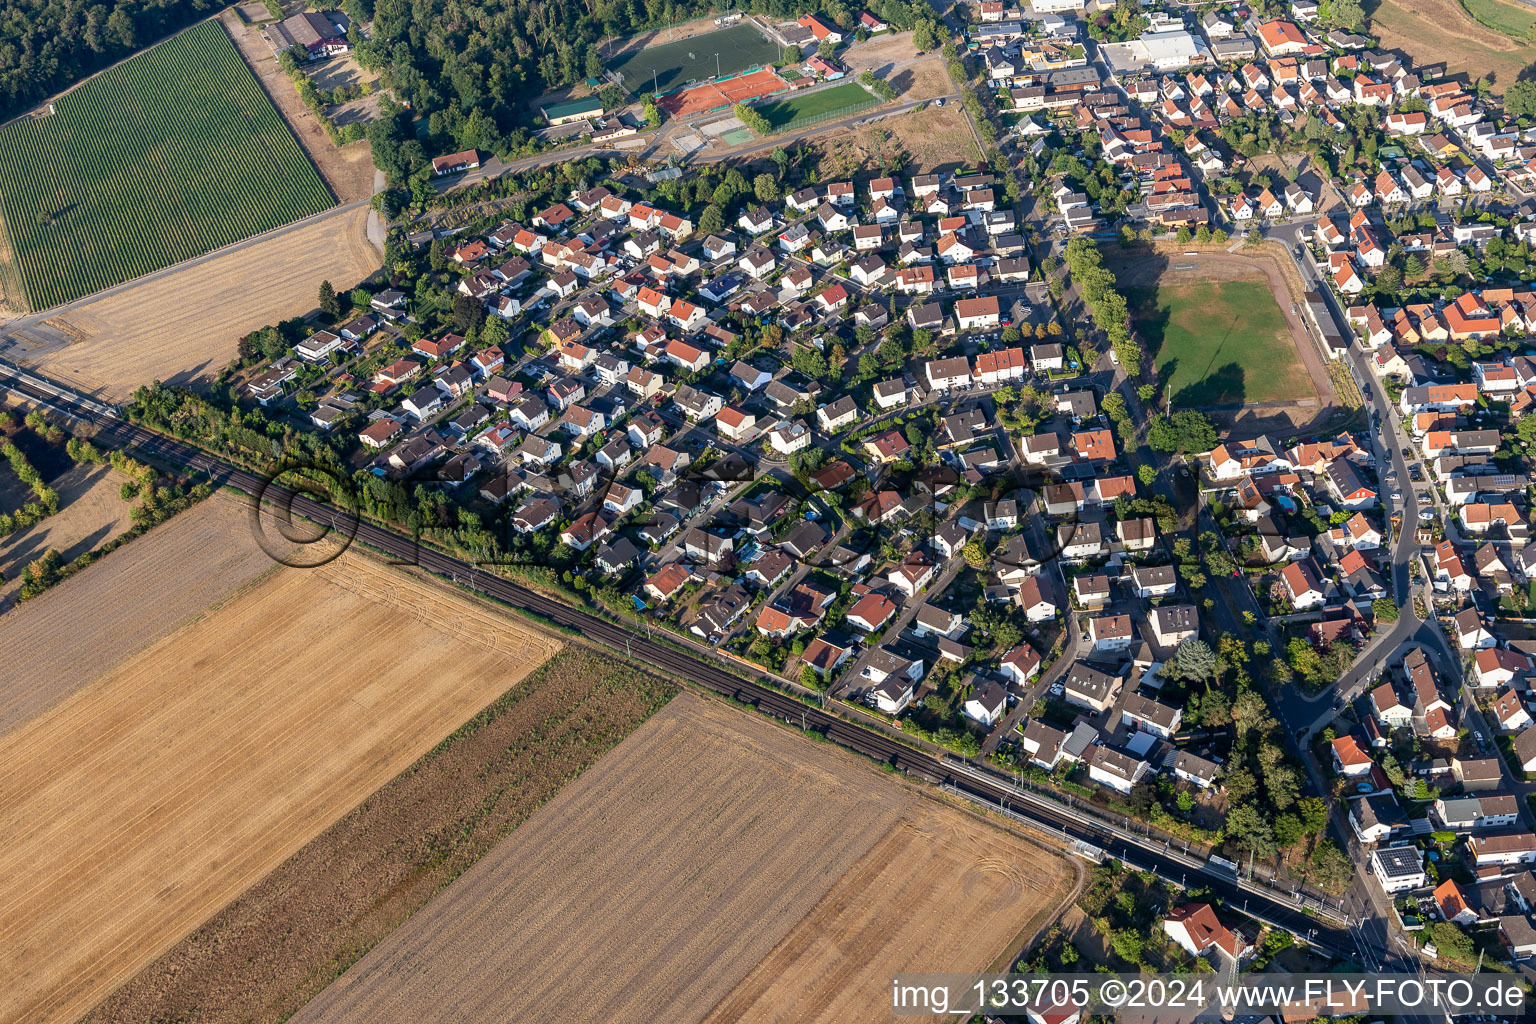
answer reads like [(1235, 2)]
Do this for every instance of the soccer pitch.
[(667, 66)]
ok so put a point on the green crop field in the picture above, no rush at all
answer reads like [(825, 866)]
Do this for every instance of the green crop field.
[(792, 108), (166, 156), (1219, 343), (667, 66)]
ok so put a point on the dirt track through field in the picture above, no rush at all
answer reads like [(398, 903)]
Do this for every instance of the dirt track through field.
[(185, 325), (140, 805), (648, 889)]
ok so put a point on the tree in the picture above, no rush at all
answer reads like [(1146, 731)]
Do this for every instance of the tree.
[(1329, 869), (1193, 660), (330, 305), (1520, 98), (1384, 609), (494, 331), (1129, 945), (436, 258), (1248, 831), (1239, 782), (1346, 14), (791, 55), (975, 554), (766, 188), (1288, 831), (809, 678), (120, 29), (1187, 430), (753, 120), (1146, 474), (712, 220), (926, 35), (1313, 812), (651, 111), (468, 314)]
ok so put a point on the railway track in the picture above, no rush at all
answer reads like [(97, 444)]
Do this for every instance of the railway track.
[(1304, 918)]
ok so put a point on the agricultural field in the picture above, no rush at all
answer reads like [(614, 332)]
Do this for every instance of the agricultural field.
[(143, 803), (675, 880), (170, 154), (279, 944), (68, 636), (1442, 32), (184, 327), (1219, 343), (662, 67), (781, 113), (347, 170)]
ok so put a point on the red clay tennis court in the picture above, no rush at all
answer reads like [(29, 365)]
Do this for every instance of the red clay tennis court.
[(700, 99)]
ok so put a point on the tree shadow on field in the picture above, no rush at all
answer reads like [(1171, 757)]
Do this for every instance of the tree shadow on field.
[(1150, 320), (901, 81), (1225, 385), (1165, 373)]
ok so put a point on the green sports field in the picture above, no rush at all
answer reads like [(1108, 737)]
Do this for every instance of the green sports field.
[(168, 155), (1219, 343), (792, 108), (693, 59)]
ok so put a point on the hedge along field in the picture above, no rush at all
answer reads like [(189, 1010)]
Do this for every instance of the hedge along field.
[(164, 157)]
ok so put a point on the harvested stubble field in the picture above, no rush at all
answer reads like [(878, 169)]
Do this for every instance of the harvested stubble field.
[(185, 326), (72, 634), (142, 804), (283, 941), (709, 843)]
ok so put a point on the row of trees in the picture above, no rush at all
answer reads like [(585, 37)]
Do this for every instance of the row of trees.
[(1105, 303)]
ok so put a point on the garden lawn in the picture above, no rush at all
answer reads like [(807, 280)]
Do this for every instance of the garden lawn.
[(1219, 343)]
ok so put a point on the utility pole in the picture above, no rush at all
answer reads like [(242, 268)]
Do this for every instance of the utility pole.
[(717, 65)]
